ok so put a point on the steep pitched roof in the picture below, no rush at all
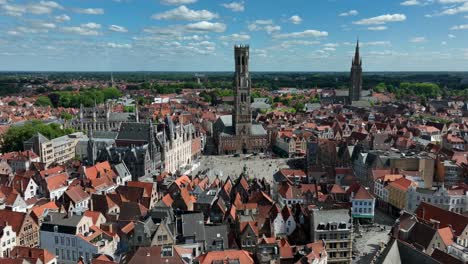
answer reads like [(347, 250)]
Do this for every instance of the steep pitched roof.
[(100, 170), (402, 184), (32, 254), (76, 194), (242, 256), (428, 211), (57, 181), (363, 194), (15, 219), (446, 235)]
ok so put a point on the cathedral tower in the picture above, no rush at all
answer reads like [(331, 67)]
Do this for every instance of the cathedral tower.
[(356, 76), (242, 115)]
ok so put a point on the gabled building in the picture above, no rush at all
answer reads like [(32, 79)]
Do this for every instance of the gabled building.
[(362, 204)]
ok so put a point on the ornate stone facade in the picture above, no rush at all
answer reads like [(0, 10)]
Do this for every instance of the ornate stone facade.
[(101, 118)]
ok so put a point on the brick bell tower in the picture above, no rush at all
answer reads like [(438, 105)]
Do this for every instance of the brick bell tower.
[(242, 114)]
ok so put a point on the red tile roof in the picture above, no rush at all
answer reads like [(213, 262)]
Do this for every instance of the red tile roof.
[(457, 221), (57, 181), (363, 194), (32, 254), (402, 184), (242, 256), (100, 170), (447, 235), (337, 189)]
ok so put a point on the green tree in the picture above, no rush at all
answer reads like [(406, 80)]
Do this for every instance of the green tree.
[(43, 101), (15, 136), (380, 88), (66, 116), (12, 103)]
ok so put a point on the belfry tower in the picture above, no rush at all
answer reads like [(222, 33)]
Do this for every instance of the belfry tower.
[(356, 76), (242, 114)]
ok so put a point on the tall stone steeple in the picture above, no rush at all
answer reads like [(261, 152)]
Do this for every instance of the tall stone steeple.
[(356, 76), (242, 115)]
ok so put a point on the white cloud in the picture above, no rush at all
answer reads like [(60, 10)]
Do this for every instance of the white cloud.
[(265, 25), (91, 25), (418, 39), (452, 1), (349, 13), (456, 10), (377, 28), (331, 45), (177, 2), (298, 42), (303, 34), (410, 3), (45, 25), (117, 45), (116, 28), (205, 26), (451, 36), (235, 6), (259, 52), (235, 37), (184, 13), (88, 29), (89, 11), (380, 20), (295, 19), (62, 18), (40, 8), (443, 43), (459, 27)]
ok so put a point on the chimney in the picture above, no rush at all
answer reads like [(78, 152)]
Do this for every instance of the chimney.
[(435, 223)]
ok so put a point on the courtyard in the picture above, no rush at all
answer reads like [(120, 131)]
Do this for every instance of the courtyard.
[(369, 239), (230, 166)]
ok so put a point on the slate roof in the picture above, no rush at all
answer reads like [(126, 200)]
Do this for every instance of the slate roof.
[(228, 129), (134, 132), (193, 225), (400, 252), (151, 255), (215, 233)]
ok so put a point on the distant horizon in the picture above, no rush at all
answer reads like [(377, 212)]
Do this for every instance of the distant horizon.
[(136, 71)]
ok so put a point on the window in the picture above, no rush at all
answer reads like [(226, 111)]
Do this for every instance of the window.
[(56, 240), (68, 241), (74, 256), (62, 240), (73, 242)]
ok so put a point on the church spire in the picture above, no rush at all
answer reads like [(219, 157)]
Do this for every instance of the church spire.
[(357, 57), (356, 76)]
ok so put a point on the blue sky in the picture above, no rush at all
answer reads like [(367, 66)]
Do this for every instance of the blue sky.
[(198, 35)]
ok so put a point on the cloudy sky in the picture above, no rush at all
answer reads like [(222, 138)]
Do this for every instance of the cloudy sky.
[(198, 35)]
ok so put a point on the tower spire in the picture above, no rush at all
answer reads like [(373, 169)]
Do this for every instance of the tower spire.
[(357, 58)]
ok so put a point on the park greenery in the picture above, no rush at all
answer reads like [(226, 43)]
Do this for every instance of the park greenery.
[(15, 136), (87, 97)]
